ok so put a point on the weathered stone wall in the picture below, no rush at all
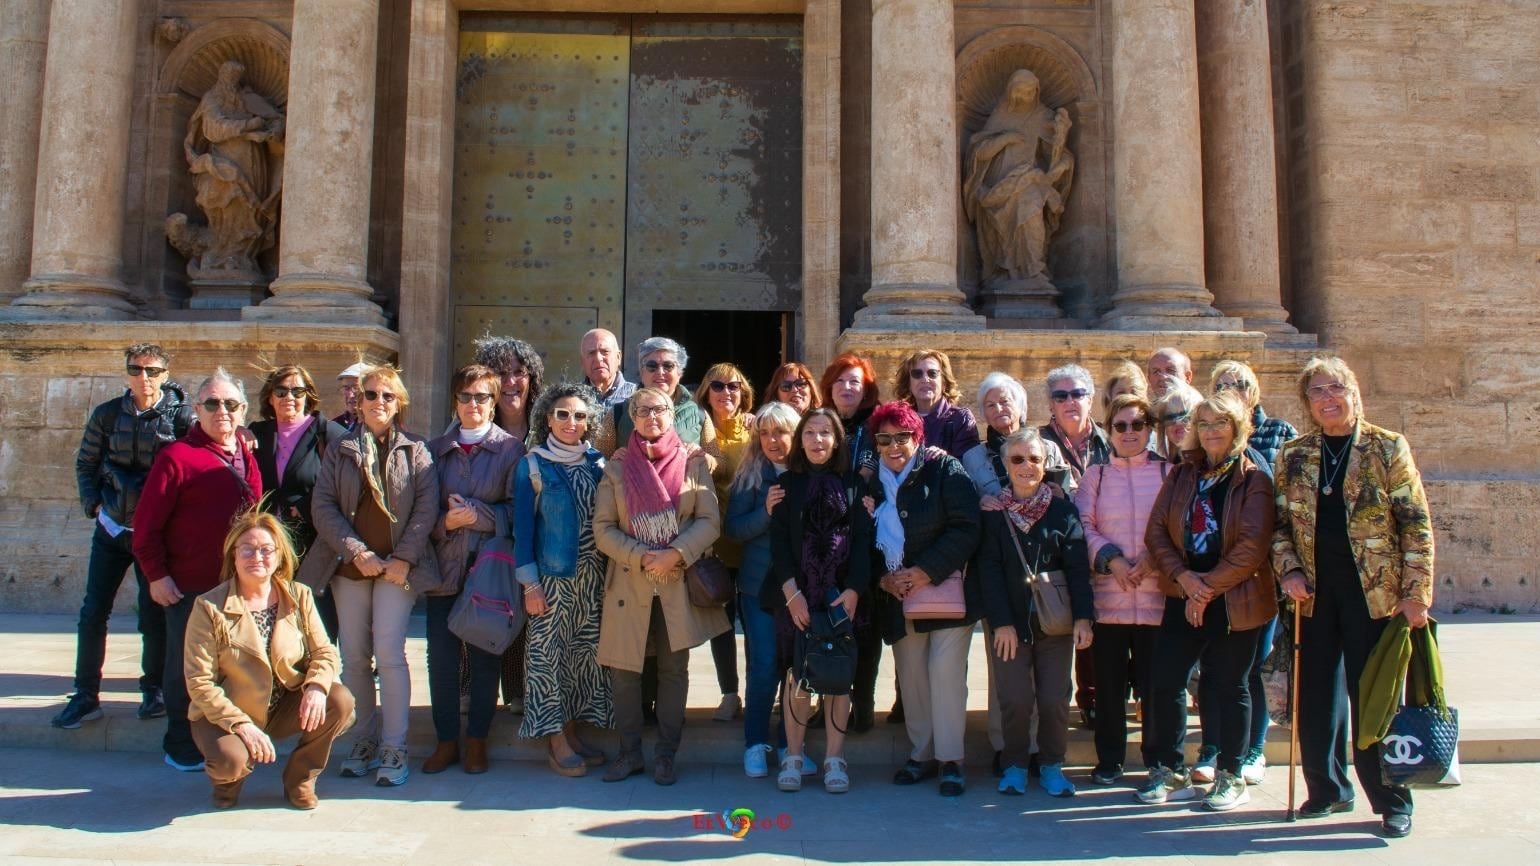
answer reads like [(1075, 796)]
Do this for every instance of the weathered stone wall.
[(1415, 239)]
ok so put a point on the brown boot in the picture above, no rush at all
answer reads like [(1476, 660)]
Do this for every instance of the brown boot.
[(444, 755), (226, 795), (302, 796), (476, 755)]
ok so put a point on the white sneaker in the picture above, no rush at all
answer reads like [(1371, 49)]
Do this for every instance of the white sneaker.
[(1254, 770), (392, 769), (1208, 763), (809, 768), (728, 709), (1165, 785), (756, 760), (1229, 791), (363, 759)]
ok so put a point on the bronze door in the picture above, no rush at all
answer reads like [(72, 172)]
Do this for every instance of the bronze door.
[(610, 166)]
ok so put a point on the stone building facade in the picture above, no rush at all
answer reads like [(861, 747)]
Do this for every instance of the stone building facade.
[(768, 179)]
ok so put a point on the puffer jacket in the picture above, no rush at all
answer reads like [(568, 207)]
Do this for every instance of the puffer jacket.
[(411, 494), (1115, 500), (119, 446), (484, 475), (748, 523)]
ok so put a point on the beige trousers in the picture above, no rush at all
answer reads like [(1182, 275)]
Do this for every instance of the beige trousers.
[(933, 673)]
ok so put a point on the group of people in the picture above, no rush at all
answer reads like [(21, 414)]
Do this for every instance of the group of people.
[(1146, 532)]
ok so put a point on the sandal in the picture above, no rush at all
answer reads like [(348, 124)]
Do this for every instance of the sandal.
[(914, 771), (836, 775), (951, 779), (790, 777)]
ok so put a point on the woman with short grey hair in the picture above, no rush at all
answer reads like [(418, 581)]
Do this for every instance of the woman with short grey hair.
[(660, 363), (1071, 426)]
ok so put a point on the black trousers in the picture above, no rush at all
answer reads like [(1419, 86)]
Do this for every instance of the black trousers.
[(1227, 656), (724, 652), (178, 742), (1123, 653), (110, 561), (868, 660), (1334, 645)]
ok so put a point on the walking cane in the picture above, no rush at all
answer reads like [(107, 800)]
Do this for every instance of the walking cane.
[(1293, 714)]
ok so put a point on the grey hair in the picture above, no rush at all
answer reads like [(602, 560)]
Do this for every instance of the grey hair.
[(221, 375), (540, 413), (1078, 374), (1007, 383), (662, 344), (750, 472), (1025, 433)]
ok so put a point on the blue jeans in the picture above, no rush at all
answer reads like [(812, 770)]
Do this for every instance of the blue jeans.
[(759, 646), (1259, 717), (110, 560), (444, 677)]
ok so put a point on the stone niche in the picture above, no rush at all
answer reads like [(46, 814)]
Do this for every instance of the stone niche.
[(1077, 251), (174, 219)]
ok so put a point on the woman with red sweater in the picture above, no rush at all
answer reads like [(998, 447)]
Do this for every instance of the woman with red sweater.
[(195, 489)]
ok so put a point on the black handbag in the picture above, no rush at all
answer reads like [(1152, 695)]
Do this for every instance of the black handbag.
[(1422, 747), (708, 582), (826, 655)]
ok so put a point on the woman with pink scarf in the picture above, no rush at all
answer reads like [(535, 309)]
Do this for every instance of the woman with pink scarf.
[(655, 515)]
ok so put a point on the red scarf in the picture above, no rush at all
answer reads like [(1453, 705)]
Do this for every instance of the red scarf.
[(1026, 512), (653, 473)]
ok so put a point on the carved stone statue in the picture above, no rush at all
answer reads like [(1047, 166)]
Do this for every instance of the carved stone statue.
[(1018, 175), (234, 149)]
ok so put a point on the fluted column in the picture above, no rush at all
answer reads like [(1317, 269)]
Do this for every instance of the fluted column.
[(1240, 192), (914, 170), (23, 48), (324, 234), (1158, 169), (82, 165)]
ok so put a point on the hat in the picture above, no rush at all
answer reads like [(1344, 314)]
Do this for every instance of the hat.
[(354, 371)]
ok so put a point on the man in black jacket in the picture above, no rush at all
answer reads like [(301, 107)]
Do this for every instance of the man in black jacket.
[(121, 440)]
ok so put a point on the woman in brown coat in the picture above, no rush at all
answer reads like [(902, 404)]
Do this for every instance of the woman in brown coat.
[(655, 515), (1208, 538)]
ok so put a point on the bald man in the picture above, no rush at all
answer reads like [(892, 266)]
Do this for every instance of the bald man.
[(1165, 368), (601, 367)]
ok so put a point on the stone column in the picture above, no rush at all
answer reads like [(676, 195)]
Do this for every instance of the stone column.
[(324, 234), (82, 164), (914, 170), (1158, 170), (1240, 192), (23, 48)]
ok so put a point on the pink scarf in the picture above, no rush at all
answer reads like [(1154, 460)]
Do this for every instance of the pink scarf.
[(1024, 513), (654, 477)]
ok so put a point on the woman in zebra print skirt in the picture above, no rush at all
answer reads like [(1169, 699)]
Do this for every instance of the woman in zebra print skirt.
[(562, 573)]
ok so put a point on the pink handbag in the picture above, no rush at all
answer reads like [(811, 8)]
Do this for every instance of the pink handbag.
[(942, 600)]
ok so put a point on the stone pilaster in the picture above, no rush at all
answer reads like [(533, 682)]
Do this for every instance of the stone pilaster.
[(324, 237), (820, 181), (81, 164), (23, 48), (914, 171), (1240, 192), (1158, 170)]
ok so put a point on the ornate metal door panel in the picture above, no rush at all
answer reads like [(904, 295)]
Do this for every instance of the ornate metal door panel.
[(714, 179), (539, 193)]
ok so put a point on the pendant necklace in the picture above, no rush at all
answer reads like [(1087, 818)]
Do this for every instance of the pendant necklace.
[(1336, 462)]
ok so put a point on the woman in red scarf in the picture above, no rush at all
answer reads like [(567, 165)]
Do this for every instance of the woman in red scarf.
[(656, 513)]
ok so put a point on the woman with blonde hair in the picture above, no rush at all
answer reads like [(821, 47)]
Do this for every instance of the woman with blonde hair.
[(1173, 417), (1127, 377), (259, 667)]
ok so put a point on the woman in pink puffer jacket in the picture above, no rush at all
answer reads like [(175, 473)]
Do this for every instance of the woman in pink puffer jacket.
[(1114, 501)]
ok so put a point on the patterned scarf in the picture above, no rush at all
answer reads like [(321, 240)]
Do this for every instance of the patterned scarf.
[(1024, 513), (825, 536), (373, 470), (558, 451), (1203, 521), (654, 477)]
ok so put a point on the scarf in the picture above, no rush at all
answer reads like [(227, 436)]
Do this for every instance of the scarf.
[(1202, 521), (994, 446), (468, 436), (558, 451), (890, 530), (373, 472), (654, 477), (825, 537), (1024, 513)]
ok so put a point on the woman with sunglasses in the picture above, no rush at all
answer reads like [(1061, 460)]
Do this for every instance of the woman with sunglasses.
[(1173, 415), (925, 381), (726, 395), (292, 438), (1071, 426), (927, 527), (562, 575), (375, 506), (475, 461), (1115, 499), (793, 384)]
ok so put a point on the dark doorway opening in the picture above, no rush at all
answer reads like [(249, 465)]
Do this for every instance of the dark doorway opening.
[(754, 341)]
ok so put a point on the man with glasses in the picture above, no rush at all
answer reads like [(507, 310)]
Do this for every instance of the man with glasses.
[(600, 355), (121, 439), (347, 385)]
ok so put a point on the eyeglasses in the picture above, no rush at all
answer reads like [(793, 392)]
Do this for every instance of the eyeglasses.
[(733, 387), (655, 366), (385, 396), (888, 440), (1034, 459), (1076, 394), (213, 404), (348, 389), (566, 415), (517, 374), (465, 398), (1230, 386), (282, 392), (247, 551), (651, 411), (1175, 418), (795, 385), (919, 373), (1321, 392), (1209, 426), (1125, 426), (152, 372)]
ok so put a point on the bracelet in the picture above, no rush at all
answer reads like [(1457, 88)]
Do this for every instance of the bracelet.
[(792, 596), (531, 587)]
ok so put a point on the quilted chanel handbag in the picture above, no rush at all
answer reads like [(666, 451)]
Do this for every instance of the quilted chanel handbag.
[(1422, 747)]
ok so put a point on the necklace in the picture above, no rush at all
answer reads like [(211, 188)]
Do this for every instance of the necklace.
[(1335, 463)]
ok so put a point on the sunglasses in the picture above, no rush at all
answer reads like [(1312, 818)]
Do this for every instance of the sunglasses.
[(1125, 426), (918, 373), (1314, 392), (1034, 459), (1175, 418), (386, 396), (655, 366), (651, 411), (565, 415), (795, 385), (1076, 394), (1229, 386), (152, 372), (213, 404), (465, 398), (733, 387), (888, 440), (282, 392)]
